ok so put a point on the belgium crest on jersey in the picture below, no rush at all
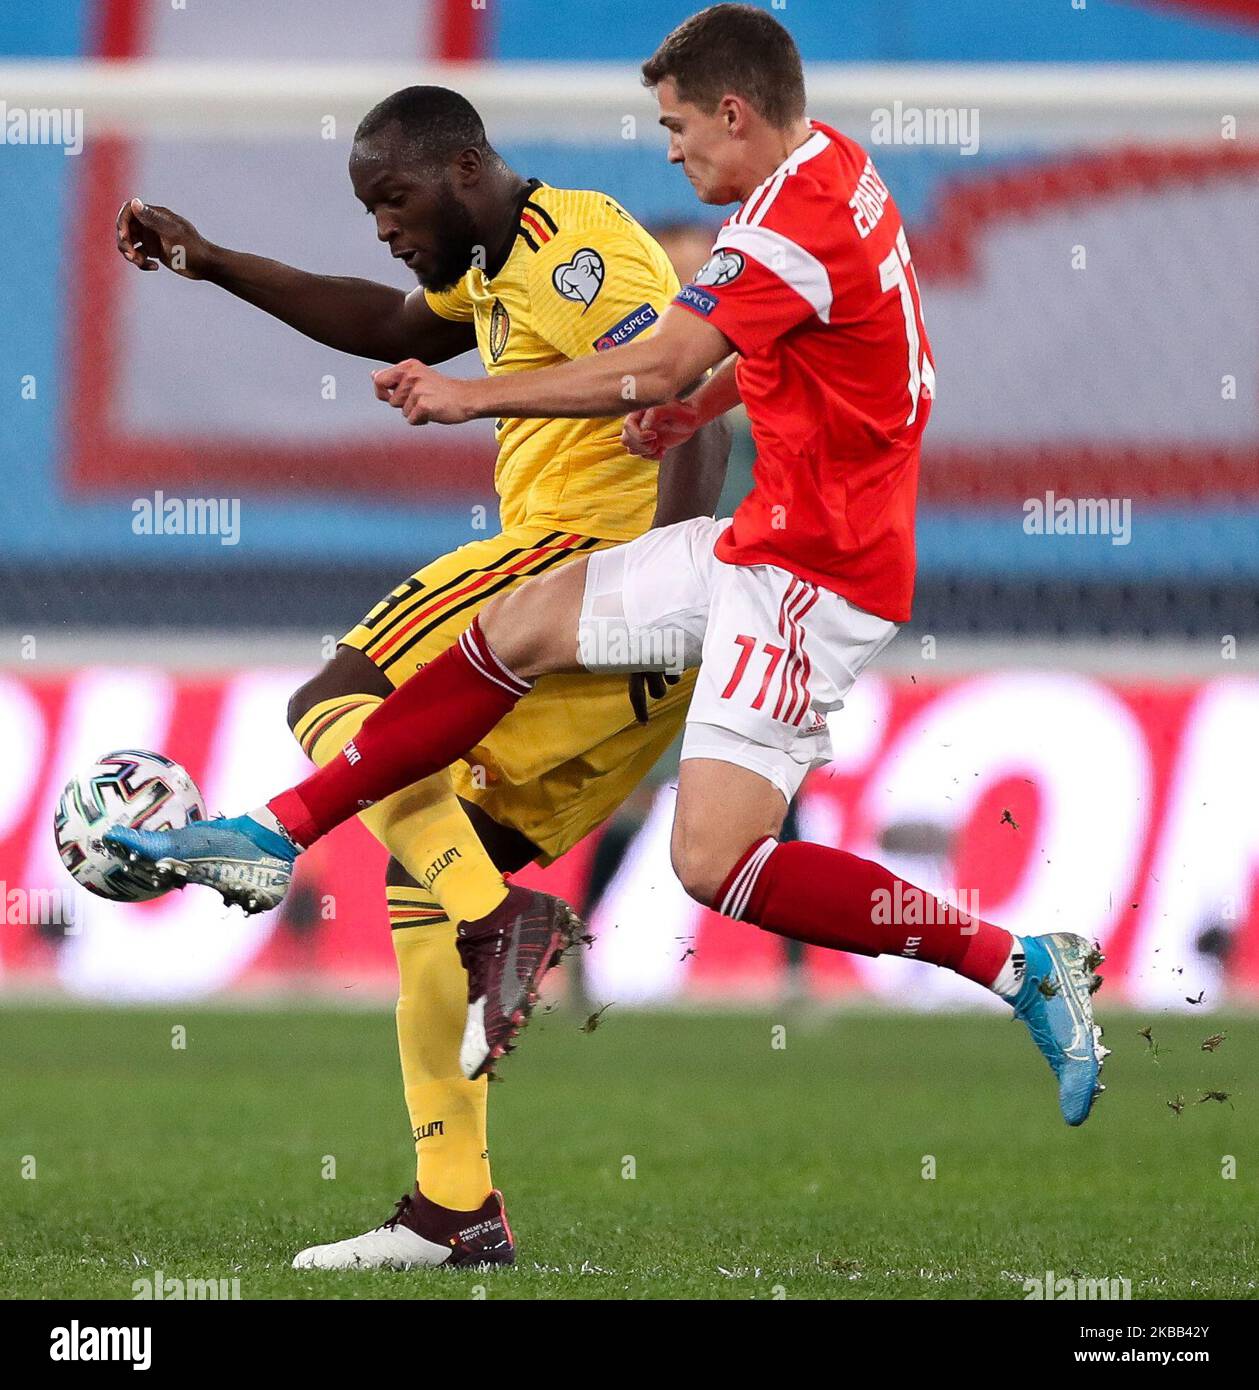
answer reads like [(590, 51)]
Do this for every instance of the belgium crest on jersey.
[(500, 327)]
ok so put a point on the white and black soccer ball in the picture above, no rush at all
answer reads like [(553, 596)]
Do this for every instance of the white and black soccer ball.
[(130, 787)]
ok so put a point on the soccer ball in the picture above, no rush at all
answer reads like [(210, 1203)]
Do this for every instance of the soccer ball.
[(130, 787)]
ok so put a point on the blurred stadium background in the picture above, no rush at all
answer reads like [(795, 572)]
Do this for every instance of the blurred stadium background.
[(1067, 729)]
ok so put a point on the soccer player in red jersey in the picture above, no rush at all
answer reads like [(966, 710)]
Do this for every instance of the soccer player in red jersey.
[(809, 310)]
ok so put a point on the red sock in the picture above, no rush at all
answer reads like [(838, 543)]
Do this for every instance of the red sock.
[(424, 726), (828, 897)]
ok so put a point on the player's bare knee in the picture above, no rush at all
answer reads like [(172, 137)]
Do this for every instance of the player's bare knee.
[(702, 878), (700, 868), (505, 624), (532, 629)]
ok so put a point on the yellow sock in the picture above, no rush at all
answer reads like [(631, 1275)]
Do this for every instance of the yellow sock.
[(423, 826), (447, 1111)]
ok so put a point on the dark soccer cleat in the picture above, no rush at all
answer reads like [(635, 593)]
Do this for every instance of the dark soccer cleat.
[(422, 1233), (506, 955)]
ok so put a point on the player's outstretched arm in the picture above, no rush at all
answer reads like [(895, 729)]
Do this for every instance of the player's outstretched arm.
[(351, 315), (638, 375)]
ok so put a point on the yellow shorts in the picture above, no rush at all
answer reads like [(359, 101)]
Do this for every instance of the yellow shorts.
[(571, 751)]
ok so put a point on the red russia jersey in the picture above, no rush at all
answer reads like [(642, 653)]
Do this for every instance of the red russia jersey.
[(811, 281)]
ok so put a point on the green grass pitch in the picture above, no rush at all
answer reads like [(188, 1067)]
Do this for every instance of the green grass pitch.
[(758, 1171)]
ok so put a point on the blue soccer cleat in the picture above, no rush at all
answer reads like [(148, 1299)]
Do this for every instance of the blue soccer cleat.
[(1056, 1003), (243, 861)]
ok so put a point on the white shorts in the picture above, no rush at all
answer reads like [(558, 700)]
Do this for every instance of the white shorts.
[(776, 653)]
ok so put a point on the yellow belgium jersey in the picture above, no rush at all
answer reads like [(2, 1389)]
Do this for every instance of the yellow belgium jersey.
[(582, 276)]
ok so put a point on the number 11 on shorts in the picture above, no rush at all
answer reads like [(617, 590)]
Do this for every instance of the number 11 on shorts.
[(747, 645)]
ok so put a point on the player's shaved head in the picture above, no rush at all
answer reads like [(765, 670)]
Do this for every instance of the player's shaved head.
[(732, 49), (433, 125), (441, 195)]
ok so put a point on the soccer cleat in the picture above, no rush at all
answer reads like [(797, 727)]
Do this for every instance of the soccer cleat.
[(243, 861), (422, 1233), (506, 955), (1056, 1004)]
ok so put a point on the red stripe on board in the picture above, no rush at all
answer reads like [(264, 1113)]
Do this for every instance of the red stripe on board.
[(99, 183), (1244, 11), (462, 31), (945, 249), (101, 460), (1190, 476), (118, 28)]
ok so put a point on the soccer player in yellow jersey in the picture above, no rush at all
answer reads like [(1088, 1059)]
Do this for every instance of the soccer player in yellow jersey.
[(529, 275)]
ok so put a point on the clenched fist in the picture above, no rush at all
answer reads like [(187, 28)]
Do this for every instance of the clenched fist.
[(652, 433), (423, 395)]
